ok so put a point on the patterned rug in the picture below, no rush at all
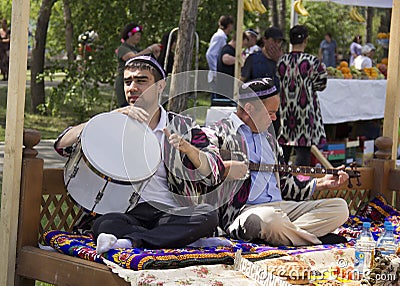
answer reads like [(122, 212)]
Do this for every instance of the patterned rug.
[(84, 247)]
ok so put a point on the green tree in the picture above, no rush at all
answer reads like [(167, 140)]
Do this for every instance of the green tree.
[(330, 18)]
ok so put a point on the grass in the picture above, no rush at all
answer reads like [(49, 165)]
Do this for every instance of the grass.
[(49, 126)]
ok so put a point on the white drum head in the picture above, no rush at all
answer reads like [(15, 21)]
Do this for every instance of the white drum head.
[(120, 147)]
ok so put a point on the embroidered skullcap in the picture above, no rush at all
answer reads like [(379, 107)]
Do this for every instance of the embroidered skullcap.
[(259, 88), (252, 32), (149, 60)]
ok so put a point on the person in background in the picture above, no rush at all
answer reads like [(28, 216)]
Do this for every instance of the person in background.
[(162, 58), (372, 53), (327, 51), (218, 40), (263, 63), (226, 58), (301, 75), (365, 59), (355, 49), (4, 49), (131, 35), (226, 65), (252, 36)]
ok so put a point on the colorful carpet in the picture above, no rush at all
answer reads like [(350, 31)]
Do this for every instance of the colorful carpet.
[(84, 247)]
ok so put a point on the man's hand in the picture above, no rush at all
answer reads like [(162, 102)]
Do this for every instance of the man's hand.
[(235, 170), (178, 142), (155, 49), (332, 181), (196, 156), (137, 113), (274, 51)]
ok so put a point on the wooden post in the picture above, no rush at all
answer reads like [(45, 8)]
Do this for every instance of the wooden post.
[(238, 49), (391, 119), (294, 19), (13, 140), (382, 166), (30, 198), (315, 151)]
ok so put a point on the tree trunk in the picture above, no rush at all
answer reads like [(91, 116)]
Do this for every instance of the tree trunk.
[(37, 66), (275, 14), (69, 31), (385, 27), (282, 19), (183, 55), (370, 15)]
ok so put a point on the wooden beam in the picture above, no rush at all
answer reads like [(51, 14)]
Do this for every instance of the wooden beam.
[(238, 49), (13, 140), (391, 119), (394, 180), (63, 270)]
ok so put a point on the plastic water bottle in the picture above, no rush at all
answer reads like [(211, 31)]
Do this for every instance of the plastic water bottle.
[(364, 250), (386, 242)]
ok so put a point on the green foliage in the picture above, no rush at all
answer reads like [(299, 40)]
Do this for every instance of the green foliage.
[(79, 90), (335, 19), (330, 18), (48, 126), (107, 18)]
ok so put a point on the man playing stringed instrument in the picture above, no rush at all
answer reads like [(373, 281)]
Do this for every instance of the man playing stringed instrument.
[(263, 205)]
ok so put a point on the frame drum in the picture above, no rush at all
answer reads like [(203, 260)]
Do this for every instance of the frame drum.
[(112, 160)]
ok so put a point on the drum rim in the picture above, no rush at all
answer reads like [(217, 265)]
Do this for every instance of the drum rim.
[(92, 165)]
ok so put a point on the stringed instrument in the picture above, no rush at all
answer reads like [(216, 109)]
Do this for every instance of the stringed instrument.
[(307, 170), (303, 170)]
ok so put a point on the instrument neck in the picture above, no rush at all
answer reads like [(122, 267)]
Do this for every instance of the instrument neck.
[(292, 169)]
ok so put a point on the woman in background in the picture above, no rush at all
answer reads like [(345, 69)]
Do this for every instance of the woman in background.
[(301, 75), (130, 38), (355, 49), (4, 48), (164, 43)]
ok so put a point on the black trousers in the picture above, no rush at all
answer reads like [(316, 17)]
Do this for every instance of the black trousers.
[(153, 225)]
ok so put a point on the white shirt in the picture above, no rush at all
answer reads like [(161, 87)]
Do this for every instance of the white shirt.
[(264, 185), (362, 62), (251, 50), (156, 189), (218, 40)]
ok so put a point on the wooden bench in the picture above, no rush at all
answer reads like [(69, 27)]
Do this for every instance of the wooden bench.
[(45, 205)]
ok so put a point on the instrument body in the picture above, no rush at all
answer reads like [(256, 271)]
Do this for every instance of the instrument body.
[(112, 160)]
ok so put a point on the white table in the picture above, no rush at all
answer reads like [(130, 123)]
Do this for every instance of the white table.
[(346, 100)]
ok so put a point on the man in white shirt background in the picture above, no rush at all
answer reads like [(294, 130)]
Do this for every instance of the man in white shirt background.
[(218, 40), (365, 59)]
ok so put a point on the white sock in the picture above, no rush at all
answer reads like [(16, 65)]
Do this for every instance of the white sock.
[(123, 243), (106, 241)]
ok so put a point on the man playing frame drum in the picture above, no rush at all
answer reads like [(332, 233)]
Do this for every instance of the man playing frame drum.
[(160, 219)]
